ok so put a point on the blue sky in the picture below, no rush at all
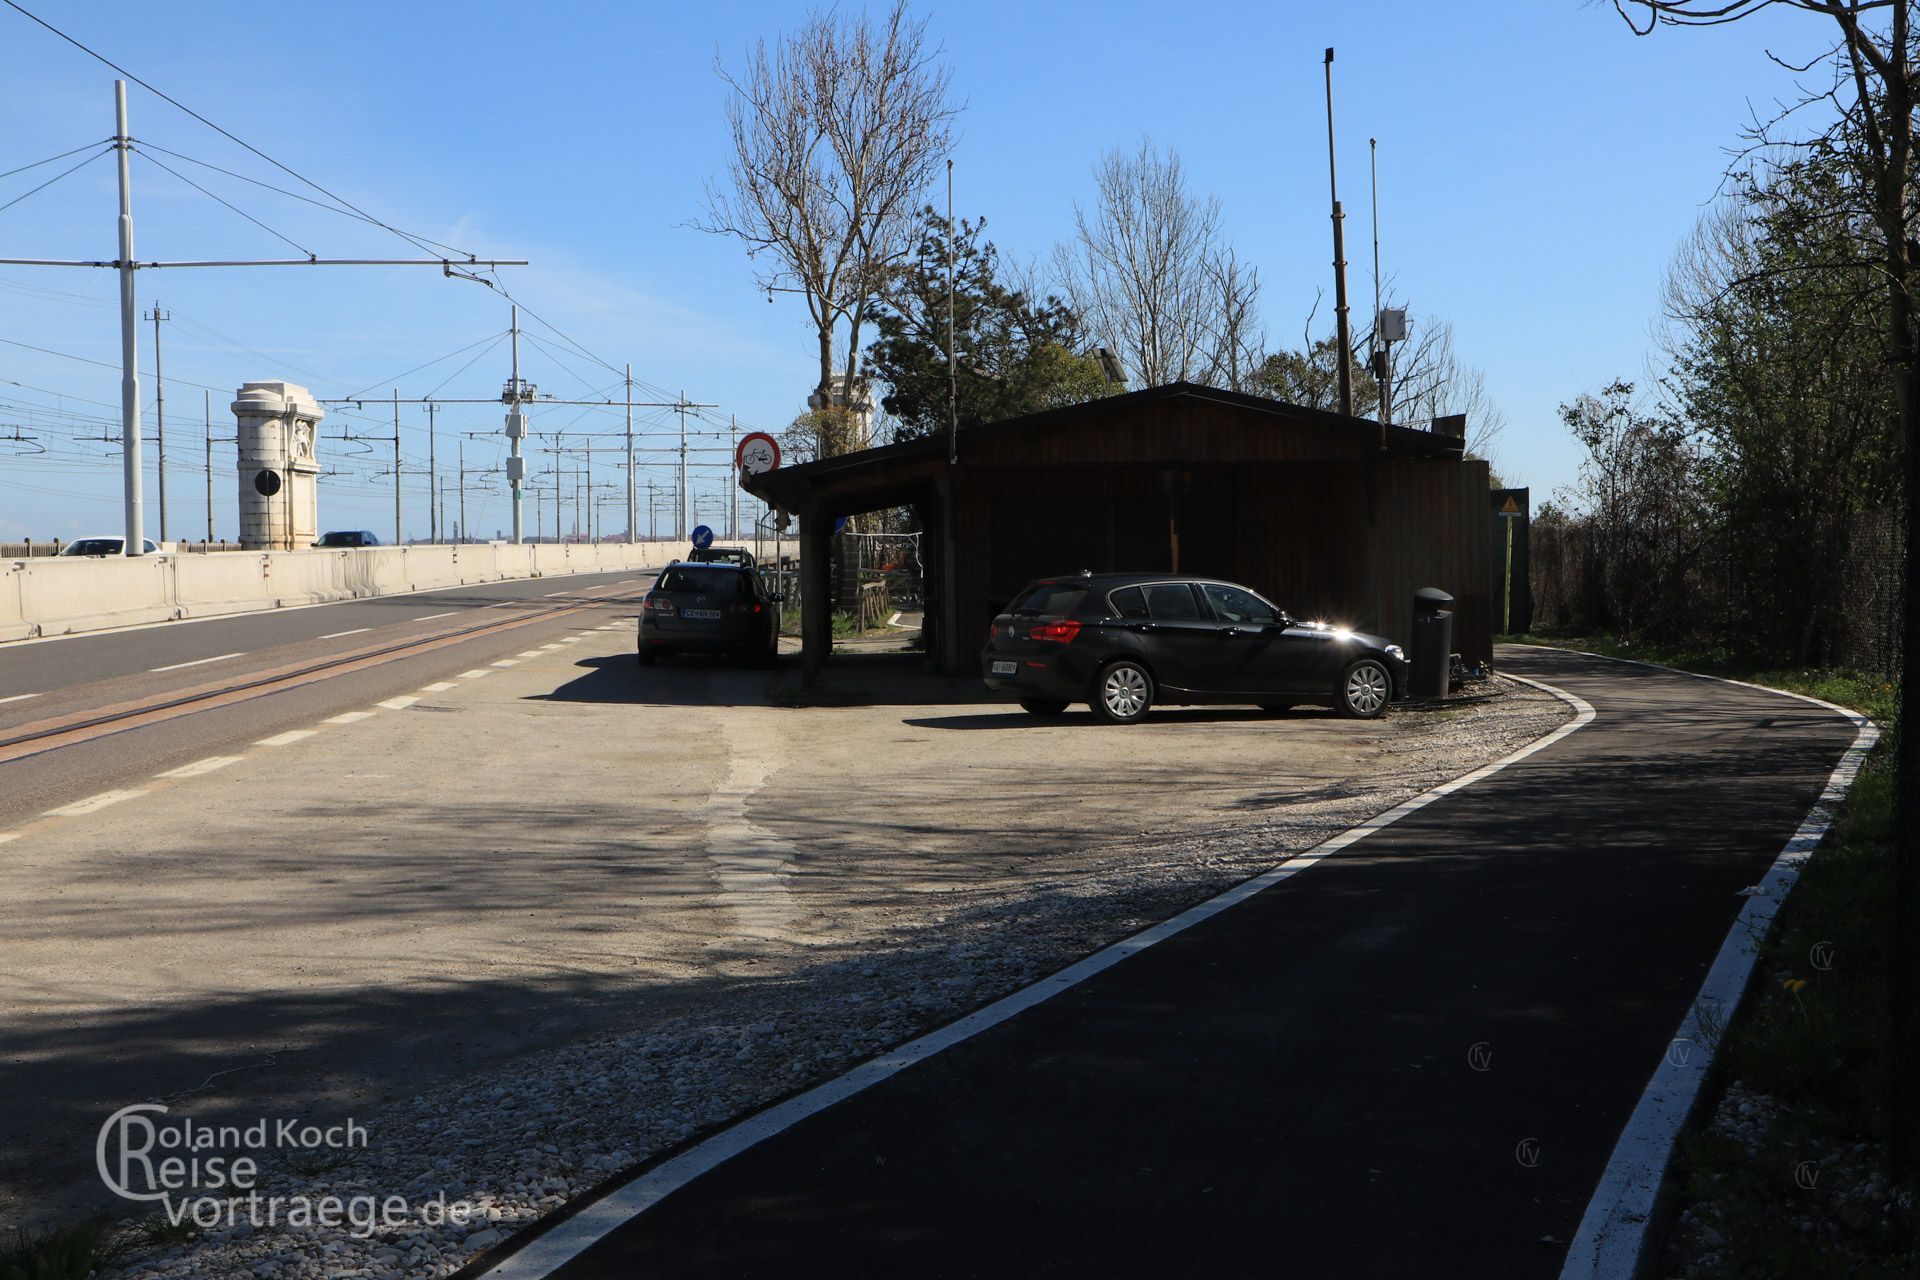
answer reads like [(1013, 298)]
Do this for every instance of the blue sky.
[(1539, 165)]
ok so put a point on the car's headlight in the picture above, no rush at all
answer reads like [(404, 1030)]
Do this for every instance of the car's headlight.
[(1394, 651)]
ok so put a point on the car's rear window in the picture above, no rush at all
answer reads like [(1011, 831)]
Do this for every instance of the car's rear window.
[(1172, 600), (1048, 600), (1129, 602), (719, 582), (94, 547)]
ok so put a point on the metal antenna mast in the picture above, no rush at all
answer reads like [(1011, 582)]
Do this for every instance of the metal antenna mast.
[(1343, 328)]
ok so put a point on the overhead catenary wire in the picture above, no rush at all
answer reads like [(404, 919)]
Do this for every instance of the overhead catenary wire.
[(228, 204), (65, 173), (50, 159)]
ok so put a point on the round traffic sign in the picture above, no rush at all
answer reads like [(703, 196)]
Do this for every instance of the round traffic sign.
[(758, 453), (702, 537)]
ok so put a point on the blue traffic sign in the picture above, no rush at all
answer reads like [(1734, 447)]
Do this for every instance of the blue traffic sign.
[(702, 537), (840, 524)]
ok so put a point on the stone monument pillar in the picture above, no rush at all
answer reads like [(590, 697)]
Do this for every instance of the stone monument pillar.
[(278, 504)]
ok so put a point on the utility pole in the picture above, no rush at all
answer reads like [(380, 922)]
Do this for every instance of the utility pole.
[(633, 524), (733, 435), (516, 428), (463, 488), (207, 408), (652, 531), (129, 357), (159, 415), (685, 528), (433, 479), (1342, 326), (398, 538)]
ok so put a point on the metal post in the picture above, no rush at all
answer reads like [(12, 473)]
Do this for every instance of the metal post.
[(160, 416), (433, 480), (463, 488), (398, 537), (207, 408), (685, 528), (129, 357), (1343, 328), (633, 523), (513, 441), (953, 385), (733, 519)]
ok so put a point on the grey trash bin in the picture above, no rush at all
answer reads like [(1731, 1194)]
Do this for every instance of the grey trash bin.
[(1432, 642)]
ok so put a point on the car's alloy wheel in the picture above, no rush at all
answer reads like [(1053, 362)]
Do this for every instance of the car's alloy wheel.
[(1043, 706), (1365, 689), (1122, 693)]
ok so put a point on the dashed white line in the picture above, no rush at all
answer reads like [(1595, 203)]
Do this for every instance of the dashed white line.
[(197, 662), (431, 616), (399, 704), (20, 697), (286, 739), (474, 674), (438, 686), (551, 594), (93, 803), (568, 640), (335, 635), (199, 767), (349, 717), (507, 662), (548, 648), (527, 653)]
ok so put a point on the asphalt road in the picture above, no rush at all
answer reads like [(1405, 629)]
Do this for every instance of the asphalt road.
[(51, 681), (1413, 1059)]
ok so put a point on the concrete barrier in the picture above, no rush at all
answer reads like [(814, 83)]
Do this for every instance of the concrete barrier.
[(55, 596)]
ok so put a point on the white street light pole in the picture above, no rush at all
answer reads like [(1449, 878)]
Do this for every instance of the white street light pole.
[(129, 356)]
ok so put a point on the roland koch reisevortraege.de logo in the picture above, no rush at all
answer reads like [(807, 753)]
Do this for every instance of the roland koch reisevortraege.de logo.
[(209, 1174)]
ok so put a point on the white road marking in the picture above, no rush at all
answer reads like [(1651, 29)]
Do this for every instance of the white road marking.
[(474, 674), (431, 616), (504, 604), (401, 703), (20, 697), (1613, 1231), (548, 648), (349, 717), (198, 662), (286, 739), (527, 653), (569, 1239), (507, 662), (438, 686), (199, 767), (335, 635), (93, 804), (567, 640), (6, 836), (551, 594)]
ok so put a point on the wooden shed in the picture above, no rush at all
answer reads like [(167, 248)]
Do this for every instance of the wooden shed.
[(1331, 517)]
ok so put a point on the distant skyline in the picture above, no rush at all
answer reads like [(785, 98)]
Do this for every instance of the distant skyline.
[(1539, 165)]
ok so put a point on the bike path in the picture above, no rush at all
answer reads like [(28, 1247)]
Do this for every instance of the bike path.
[(1412, 1059)]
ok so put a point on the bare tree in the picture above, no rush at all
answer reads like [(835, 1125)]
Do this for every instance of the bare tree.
[(1429, 381), (837, 133), (1874, 93), (1150, 277)]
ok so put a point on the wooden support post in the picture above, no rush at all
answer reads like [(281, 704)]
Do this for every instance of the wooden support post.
[(816, 594)]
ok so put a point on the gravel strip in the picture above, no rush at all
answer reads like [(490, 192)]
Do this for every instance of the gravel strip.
[(519, 1142)]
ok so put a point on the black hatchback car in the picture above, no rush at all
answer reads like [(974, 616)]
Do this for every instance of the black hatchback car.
[(1124, 641), (708, 608)]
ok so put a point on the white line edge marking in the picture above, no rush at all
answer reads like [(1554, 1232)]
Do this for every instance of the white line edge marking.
[(567, 1240), (507, 662), (335, 635), (349, 717), (197, 662), (438, 686), (92, 803), (475, 674), (429, 617), (399, 704), (286, 739), (19, 697), (199, 767), (551, 594), (1613, 1229)]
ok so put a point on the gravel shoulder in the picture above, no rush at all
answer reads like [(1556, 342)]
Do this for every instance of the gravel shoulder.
[(755, 896)]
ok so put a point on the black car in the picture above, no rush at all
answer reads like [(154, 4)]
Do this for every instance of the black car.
[(348, 538), (1123, 641), (708, 608)]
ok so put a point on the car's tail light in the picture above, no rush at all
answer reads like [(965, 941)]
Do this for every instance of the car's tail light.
[(993, 631), (653, 602), (1061, 632)]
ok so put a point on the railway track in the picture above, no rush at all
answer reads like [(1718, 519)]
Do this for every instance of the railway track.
[(53, 733)]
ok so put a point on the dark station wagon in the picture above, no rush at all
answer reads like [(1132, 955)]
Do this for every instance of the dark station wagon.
[(1121, 642), (708, 608)]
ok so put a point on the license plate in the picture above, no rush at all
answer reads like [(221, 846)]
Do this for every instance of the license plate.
[(1005, 668), (703, 614)]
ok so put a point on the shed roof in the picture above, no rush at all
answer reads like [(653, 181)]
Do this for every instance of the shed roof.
[(790, 483)]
